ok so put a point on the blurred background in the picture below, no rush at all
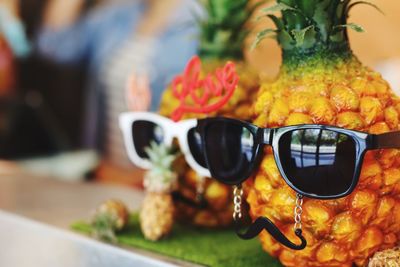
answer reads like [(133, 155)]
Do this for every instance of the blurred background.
[(66, 68)]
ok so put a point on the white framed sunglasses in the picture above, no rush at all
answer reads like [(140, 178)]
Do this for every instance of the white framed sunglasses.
[(141, 128)]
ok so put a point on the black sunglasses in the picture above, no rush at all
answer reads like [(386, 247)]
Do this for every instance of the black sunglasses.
[(316, 161)]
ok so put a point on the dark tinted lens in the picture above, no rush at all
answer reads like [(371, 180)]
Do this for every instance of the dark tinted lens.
[(194, 140), (143, 133), (230, 150), (320, 162)]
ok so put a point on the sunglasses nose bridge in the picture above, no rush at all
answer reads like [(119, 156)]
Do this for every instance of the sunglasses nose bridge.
[(265, 136)]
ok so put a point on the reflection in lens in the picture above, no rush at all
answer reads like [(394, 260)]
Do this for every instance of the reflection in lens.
[(194, 141), (316, 161), (143, 133), (230, 149)]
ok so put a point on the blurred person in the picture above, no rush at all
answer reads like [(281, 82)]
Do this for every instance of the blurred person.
[(7, 68), (13, 43), (129, 47), (12, 28), (7, 85)]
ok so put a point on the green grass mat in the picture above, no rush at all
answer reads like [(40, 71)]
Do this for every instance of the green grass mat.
[(216, 248)]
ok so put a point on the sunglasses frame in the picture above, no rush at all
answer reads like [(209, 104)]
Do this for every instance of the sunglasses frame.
[(271, 136), (170, 129)]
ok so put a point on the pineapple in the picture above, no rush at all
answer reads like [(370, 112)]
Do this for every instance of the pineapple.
[(222, 38), (110, 217), (322, 82), (157, 213), (390, 257)]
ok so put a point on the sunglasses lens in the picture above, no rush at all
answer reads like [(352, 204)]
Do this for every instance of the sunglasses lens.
[(195, 146), (143, 133), (318, 162), (230, 151)]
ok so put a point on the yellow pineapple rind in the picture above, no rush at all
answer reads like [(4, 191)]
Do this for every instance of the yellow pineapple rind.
[(157, 215)]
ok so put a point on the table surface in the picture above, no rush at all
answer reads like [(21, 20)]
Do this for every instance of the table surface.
[(36, 214)]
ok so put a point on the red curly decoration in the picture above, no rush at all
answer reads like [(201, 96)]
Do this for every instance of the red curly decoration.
[(221, 86)]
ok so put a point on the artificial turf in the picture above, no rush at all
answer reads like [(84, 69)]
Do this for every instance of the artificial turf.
[(216, 248)]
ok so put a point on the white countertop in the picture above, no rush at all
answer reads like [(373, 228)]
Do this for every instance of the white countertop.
[(35, 214)]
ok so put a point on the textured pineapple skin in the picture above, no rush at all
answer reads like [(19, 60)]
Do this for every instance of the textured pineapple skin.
[(219, 196), (157, 215), (389, 257), (117, 209), (344, 231)]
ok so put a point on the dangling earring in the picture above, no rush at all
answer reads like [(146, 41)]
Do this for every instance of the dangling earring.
[(298, 211), (237, 202)]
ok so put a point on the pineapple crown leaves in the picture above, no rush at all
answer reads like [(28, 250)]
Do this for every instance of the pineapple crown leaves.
[(104, 226), (261, 36), (353, 26), (162, 177), (307, 25), (299, 35), (160, 155), (353, 4), (223, 31)]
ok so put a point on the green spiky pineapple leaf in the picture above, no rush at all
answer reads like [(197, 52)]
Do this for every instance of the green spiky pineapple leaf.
[(277, 21), (353, 26), (153, 152), (167, 161), (364, 3), (104, 227), (322, 20), (278, 7), (307, 7), (161, 177), (261, 36), (312, 26), (255, 6), (299, 35), (160, 155), (285, 40), (224, 32)]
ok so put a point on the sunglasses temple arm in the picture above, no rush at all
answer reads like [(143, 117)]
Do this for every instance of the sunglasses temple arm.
[(263, 223), (200, 204), (386, 140)]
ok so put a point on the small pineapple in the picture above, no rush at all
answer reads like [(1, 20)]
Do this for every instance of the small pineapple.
[(222, 38), (157, 213), (389, 257), (110, 217)]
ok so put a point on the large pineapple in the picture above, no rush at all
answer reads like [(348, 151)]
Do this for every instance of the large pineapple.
[(157, 213), (222, 38), (322, 82)]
